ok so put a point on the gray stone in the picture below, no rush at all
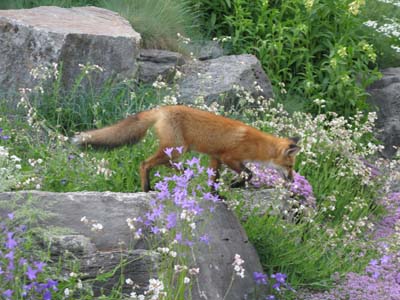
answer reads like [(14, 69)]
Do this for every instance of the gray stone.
[(40, 37), (385, 95), (212, 78), (101, 251), (154, 63), (77, 244), (205, 50), (138, 266)]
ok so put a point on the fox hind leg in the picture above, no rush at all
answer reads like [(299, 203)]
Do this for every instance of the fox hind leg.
[(158, 159)]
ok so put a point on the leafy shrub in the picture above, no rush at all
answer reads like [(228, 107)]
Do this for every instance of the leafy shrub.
[(382, 25), (309, 49)]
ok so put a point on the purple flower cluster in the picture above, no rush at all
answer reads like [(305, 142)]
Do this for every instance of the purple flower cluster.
[(275, 282), (2, 136), (264, 176), (381, 278), (13, 265), (179, 191)]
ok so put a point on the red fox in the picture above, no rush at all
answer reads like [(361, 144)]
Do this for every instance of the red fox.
[(226, 141)]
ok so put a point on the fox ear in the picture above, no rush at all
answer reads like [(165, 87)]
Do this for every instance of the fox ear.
[(292, 150), (295, 139)]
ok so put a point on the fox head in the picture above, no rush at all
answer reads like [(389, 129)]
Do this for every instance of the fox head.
[(286, 158)]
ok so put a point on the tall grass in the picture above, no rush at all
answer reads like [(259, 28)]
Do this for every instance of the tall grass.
[(158, 21)]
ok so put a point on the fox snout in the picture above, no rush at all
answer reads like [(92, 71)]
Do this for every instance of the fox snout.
[(287, 175)]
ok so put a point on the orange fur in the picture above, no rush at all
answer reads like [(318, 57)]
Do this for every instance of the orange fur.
[(226, 141)]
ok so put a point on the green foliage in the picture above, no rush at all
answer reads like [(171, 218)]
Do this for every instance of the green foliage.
[(158, 21), (310, 49), (82, 107), (381, 26)]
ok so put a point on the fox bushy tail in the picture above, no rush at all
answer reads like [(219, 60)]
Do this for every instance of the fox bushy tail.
[(127, 131)]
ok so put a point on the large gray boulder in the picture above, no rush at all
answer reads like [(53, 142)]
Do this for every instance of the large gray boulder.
[(224, 76), (385, 96), (61, 215), (40, 37)]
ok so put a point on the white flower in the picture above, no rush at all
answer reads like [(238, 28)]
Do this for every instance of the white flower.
[(186, 280), (237, 266), (79, 285), (15, 158), (97, 227), (194, 271)]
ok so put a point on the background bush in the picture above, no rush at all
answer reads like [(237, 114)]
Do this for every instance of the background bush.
[(309, 49)]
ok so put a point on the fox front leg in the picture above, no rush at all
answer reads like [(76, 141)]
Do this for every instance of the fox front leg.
[(244, 176)]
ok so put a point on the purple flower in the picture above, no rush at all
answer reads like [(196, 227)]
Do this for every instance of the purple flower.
[(47, 295), (11, 243), (31, 273), (155, 230), (178, 237), (178, 165), (10, 255), (397, 279), (179, 149), (193, 161), (171, 220), (210, 172), (260, 278), (10, 216), (39, 265), (8, 294), (52, 284), (205, 239), (168, 152), (279, 277)]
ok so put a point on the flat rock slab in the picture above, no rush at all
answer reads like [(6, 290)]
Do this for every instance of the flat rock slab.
[(38, 37), (222, 76), (385, 95), (154, 63), (95, 249)]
